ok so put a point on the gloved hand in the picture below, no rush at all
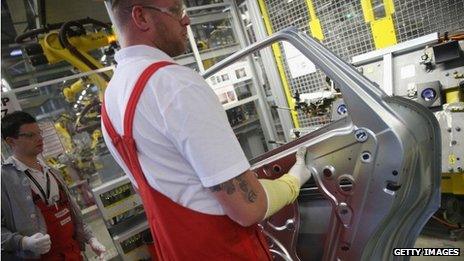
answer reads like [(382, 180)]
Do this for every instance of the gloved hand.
[(97, 247), (299, 170), (38, 243)]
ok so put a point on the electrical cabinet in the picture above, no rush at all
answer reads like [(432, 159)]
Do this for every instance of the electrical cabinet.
[(124, 217)]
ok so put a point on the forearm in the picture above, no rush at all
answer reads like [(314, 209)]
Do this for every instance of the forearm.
[(280, 192), (248, 200), (87, 233), (11, 242), (83, 231), (284, 190)]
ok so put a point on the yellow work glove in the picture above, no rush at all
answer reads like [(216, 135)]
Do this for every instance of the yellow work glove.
[(284, 190)]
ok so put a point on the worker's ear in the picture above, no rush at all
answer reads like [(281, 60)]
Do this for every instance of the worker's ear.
[(10, 141), (140, 18)]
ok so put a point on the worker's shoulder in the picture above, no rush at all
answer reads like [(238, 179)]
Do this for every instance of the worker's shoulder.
[(178, 77), (8, 173), (7, 166), (172, 70), (179, 72)]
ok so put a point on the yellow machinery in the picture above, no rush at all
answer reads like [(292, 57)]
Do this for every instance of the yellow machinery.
[(203, 45), (71, 92), (72, 42)]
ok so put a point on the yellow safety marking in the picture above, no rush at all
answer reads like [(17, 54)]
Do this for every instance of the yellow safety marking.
[(454, 95), (452, 183), (383, 29), (314, 24), (452, 159), (280, 65)]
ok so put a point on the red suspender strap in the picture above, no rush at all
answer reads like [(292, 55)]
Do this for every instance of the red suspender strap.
[(115, 137), (125, 145), (107, 123), (135, 95)]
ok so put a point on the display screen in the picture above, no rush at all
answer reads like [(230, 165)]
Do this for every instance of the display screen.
[(117, 194)]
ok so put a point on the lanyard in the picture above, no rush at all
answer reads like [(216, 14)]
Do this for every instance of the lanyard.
[(45, 196)]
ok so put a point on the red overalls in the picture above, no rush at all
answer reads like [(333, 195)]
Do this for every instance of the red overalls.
[(180, 233), (60, 227)]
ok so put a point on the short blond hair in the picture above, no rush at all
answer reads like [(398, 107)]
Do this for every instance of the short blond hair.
[(122, 13)]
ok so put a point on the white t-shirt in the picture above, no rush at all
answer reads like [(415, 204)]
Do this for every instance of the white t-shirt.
[(41, 179), (184, 140)]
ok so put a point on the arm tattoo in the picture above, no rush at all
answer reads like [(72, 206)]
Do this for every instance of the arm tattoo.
[(229, 188), (249, 193)]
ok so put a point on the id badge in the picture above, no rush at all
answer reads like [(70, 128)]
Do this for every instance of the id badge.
[(65, 221), (62, 212)]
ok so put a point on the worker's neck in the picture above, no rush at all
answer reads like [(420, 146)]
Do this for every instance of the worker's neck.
[(132, 41), (28, 160)]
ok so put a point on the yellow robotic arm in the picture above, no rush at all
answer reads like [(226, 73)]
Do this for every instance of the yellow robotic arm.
[(96, 138), (75, 88), (65, 136), (72, 43)]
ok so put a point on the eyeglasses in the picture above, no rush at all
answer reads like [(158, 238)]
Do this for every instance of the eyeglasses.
[(175, 13), (30, 135)]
